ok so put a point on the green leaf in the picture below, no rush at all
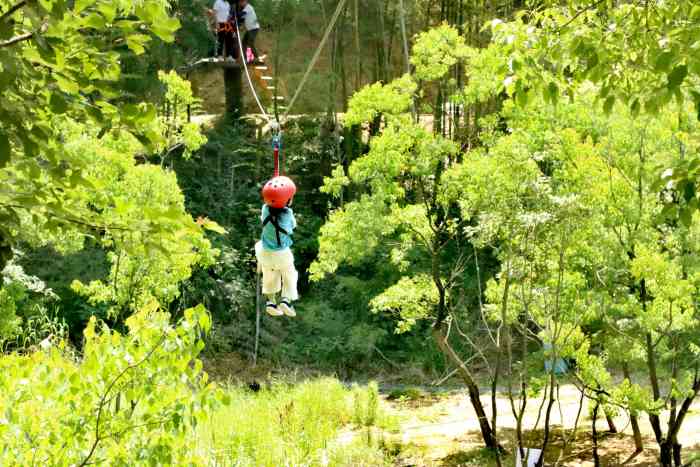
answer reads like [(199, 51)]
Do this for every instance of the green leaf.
[(213, 226), (552, 92), (94, 20), (204, 320), (135, 45), (58, 104), (66, 85), (695, 12), (80, 5), (608, 105), (676, 77), (663, 61), (635, 108), (651, 106), (5, 149), (165, 29), (108, 10), (689, 191), (522, 97), (696, 100), (686, 217)]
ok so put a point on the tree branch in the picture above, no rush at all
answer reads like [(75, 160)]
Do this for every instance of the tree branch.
[(579, 13), (12, 10), (16, 39), (103, 400)]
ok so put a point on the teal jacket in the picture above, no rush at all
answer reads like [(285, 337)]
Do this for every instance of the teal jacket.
[(285, 221)]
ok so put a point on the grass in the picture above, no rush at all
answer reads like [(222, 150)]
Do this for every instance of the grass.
[(410, 393), (295, 425), (479, 457)]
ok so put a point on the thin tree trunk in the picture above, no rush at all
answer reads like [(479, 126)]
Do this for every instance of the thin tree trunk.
[(404, 38), (634, 420), (654, 419), (358, 51), (494, 406), (486, 432), (547, 418), (611, 423), (596, 457)]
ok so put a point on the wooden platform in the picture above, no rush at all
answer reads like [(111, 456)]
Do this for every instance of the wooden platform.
[(214, 62)]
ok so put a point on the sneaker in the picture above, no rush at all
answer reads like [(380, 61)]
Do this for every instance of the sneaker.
[(272, 309), (287, 308)]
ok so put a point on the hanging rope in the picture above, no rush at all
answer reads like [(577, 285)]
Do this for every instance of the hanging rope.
[(247, 74), (329, 29), (258, 301), (310, 68)]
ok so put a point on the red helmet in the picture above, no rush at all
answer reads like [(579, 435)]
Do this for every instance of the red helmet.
[(278, 191)]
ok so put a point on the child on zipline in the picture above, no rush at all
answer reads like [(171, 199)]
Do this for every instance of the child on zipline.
[(273, 251)]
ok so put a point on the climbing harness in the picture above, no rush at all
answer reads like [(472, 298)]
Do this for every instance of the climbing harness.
[(227, 27), (273, 218)]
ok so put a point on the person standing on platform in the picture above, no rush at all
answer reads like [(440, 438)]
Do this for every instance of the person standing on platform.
[(252, 26), (221, 11)]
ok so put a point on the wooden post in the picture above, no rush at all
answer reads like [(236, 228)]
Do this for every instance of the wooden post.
[(233, 84)]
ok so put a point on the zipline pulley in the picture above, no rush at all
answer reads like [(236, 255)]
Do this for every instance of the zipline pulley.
[(276, 145)]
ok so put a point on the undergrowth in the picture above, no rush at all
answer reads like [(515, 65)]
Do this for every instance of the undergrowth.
[(312, 424)]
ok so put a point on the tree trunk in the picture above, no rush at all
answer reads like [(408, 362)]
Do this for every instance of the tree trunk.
[(634, 420), (596, 457), (677, 459), (611, 423), (5, 254), (666, 454), (486, 432), (547, 418), (233, 85)]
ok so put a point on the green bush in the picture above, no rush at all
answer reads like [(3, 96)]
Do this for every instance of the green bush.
[(129, 400)]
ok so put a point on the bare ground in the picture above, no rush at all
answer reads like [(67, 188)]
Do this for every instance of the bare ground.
[(444, 432)]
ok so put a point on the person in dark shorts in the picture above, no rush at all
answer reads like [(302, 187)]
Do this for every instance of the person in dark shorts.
[(252, 26), (221, 12)]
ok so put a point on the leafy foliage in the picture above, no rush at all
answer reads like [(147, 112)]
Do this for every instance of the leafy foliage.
[(136, 407), (46, 83)]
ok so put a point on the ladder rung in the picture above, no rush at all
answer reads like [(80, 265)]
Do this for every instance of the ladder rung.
[(279, 98), (261, 68), (267, 78), (271, 88)]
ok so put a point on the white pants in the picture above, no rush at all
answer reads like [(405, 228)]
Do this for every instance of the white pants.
[(278, 272)]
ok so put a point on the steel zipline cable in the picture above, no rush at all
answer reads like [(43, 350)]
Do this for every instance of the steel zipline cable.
[(312, 64), (244, 59), (329, 29)]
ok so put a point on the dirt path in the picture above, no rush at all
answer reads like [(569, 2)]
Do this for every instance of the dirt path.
[(443, 430)]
